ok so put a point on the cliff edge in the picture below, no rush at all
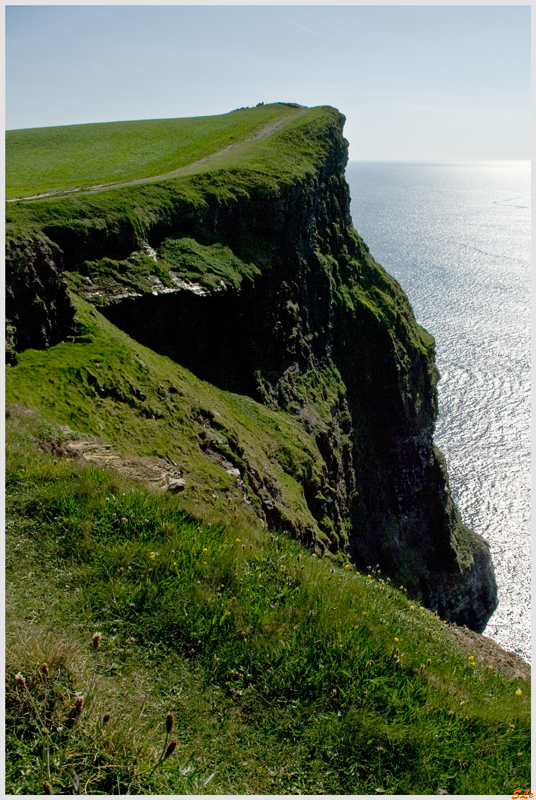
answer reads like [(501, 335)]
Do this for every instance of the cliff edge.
[(246, 270)]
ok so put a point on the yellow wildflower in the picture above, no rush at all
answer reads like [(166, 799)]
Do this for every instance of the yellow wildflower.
[(152, 555), (519, 692), (396, 639)]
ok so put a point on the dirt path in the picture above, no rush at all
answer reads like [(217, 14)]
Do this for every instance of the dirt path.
[(151, 471), (263, 133)]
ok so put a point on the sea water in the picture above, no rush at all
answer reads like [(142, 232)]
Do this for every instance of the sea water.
[(457, 238)]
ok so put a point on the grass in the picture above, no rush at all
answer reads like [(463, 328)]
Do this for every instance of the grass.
[(44, 159), (127, 214), (284, 672), (107, 385)]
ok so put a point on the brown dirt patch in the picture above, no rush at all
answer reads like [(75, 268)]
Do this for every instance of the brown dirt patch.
[(152, 471), (488, 652)]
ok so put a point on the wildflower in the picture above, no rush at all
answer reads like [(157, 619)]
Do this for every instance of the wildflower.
[(20, 680), (363, 612), (237, 540), (396, 639), (45, 731), (96, 641), (412, 606), (78, 705), (359, 573), (472, 657), (347, 566), (169, 721), (314, 555), (170, 748), (205, 549), (152, 555), (490, 666), (519, 692)]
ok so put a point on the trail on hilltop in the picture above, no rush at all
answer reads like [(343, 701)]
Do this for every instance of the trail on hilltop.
[(99, 187)]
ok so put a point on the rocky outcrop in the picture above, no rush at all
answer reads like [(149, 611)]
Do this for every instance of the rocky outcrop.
[(39, 312), (315, 327)]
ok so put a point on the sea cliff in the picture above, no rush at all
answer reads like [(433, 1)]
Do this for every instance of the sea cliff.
[(249, 274)]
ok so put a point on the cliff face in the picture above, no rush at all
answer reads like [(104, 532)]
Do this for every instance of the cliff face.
[(39, 312), (312, 325)]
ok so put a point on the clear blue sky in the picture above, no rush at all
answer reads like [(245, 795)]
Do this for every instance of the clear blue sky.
[(425, 83)]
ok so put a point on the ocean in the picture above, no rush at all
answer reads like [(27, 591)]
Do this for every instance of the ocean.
[(457, 238)]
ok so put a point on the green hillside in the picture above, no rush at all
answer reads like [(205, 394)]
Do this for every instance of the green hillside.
[(285, 673), (45, 159)]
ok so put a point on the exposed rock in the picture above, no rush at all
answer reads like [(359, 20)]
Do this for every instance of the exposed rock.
[(39, 312), (176, 485), (488, 652)]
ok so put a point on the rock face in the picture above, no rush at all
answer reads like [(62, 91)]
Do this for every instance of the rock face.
[(39, 312), (320, 330)]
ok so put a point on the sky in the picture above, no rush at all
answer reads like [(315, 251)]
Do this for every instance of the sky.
[(416, 83)]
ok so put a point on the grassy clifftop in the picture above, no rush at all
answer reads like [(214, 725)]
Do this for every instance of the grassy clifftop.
[(50, 159)]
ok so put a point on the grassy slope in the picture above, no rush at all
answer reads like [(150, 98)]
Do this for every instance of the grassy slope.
[(285, 673), (94, 387), (43, 159)]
